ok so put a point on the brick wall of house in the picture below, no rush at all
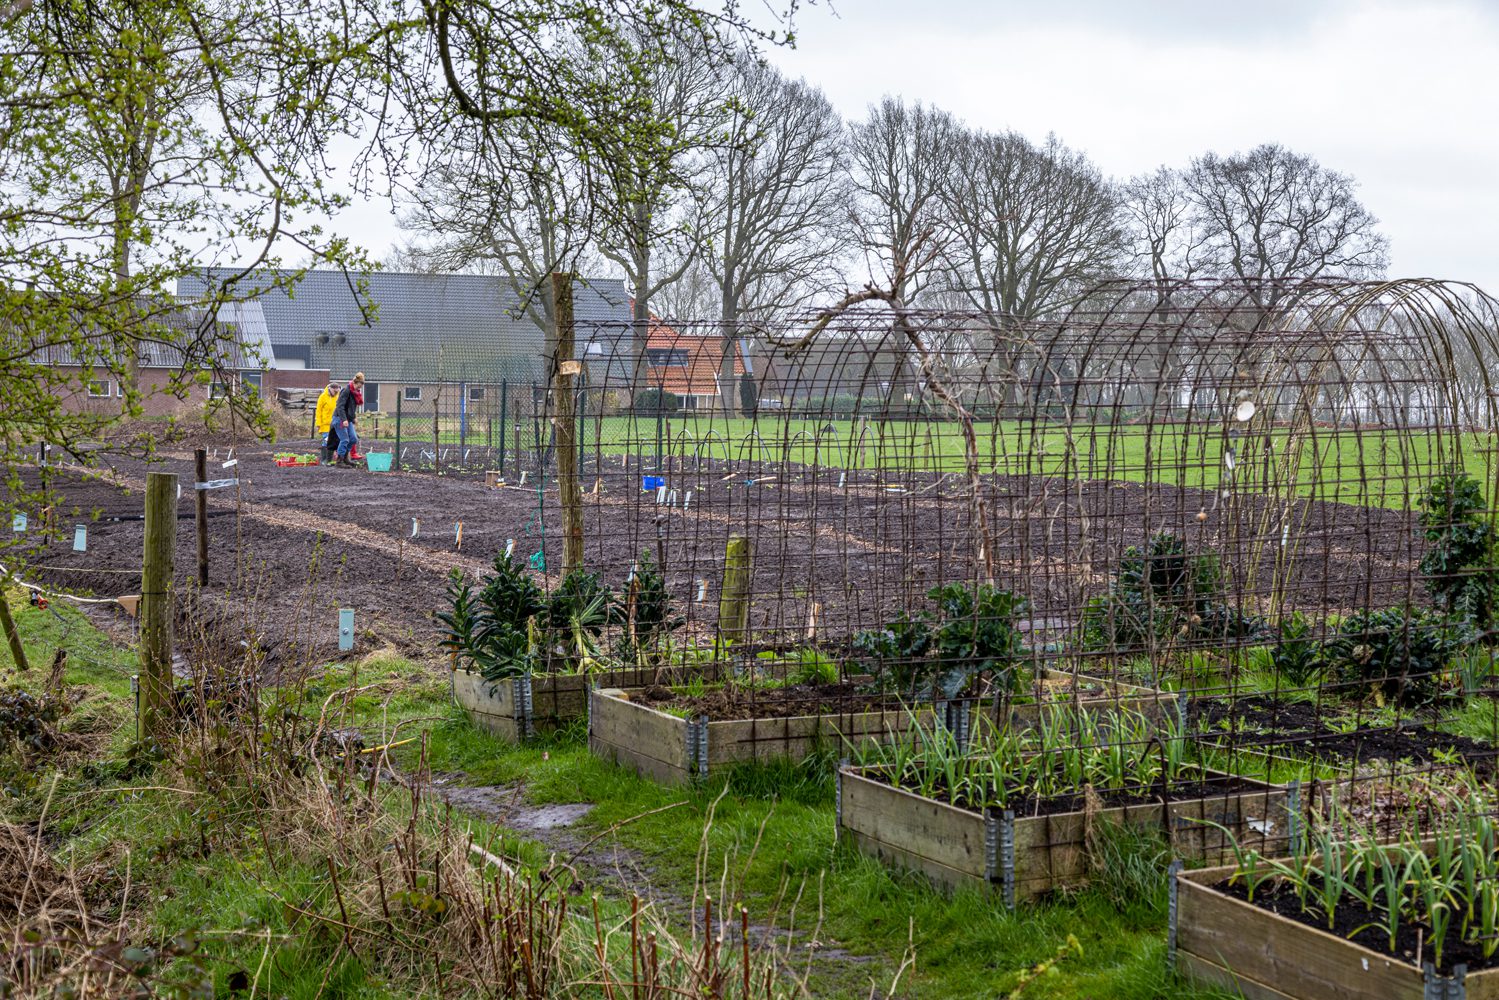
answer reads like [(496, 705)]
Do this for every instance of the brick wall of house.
[(156, 401)]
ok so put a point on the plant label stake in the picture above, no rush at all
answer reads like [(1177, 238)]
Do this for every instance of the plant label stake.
[(687, 500), (509, 547), (18, 523), (345, 629), (80, 538), (415, 527), (842, 478), (458, 536), (660, 494), (702, 591), (671, 498), (523, 477), (230, 464)]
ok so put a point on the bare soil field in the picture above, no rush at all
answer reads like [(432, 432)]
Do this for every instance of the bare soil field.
[(834, 551)]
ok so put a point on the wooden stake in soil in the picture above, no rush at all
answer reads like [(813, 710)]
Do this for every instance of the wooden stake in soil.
[(17, 651), (734, 597), (156, 600), (200, 512), (564, 424)]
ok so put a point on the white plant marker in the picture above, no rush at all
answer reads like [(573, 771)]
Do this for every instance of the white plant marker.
[(80, 538), (415, 527), (702, 591), (687, 500), (509, 547)]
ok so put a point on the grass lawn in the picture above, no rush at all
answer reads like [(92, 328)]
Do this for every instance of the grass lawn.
[(1375, 467)]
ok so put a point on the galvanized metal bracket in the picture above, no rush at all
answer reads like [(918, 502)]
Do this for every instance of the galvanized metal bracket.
[(345, 629), (838, 799), (999, 852), (702, 747), (520, 693), (1172, 871), (953, 717), (991, 846), (697, 746), (1435, 987)]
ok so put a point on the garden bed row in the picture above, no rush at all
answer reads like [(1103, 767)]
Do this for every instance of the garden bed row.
[(1023, 853)]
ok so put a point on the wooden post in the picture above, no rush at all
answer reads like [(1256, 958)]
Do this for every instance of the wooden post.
[(734, 597), (200, 512), (564, 421), (504, 416), (156, 601), (17, 651)]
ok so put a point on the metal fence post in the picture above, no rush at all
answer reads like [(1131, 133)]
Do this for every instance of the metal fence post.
[(504, 415), (397, 459)]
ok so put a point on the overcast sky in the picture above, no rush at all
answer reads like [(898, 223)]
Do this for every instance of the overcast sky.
[(1402, 95)]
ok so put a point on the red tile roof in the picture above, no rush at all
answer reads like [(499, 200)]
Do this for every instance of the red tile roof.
[(704, 352)]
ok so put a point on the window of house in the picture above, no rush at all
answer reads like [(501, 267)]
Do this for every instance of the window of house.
[(217, 390), (667, 357), (412, 393), (99, 388), (250, 383), (475, 393)]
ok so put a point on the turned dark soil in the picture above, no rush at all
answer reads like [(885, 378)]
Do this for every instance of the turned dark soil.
[(1300, 728), (833, 552)]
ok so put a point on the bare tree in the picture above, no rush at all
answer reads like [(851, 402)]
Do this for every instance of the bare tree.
[(643, 177), (519, 207), (899, 157), (773, 194), (1027, 229), (1166, 241), (1270, 214)]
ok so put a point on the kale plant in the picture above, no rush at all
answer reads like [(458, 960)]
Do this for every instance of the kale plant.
[(974, 630), (1459, 560), (1400, 653)]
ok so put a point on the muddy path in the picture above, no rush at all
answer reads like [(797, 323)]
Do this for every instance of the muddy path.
[(592, 860)]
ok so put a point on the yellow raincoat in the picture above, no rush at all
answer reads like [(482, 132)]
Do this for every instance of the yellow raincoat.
[(323, 416)]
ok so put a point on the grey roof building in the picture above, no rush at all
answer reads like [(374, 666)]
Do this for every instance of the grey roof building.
[(422, 328)]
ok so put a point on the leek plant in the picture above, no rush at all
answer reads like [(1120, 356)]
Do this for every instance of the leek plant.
[(1445, 886), (1117, 750)]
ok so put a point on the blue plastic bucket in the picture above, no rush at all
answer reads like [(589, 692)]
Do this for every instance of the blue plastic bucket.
[(378, 461), (649, 483)]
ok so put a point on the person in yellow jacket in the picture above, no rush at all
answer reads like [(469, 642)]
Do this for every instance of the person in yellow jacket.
[(323, 419)]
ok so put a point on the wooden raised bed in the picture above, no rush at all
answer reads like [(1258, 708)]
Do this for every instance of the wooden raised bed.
[(1223, 941), (1025, 856), (675, 751), (520, 707)]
